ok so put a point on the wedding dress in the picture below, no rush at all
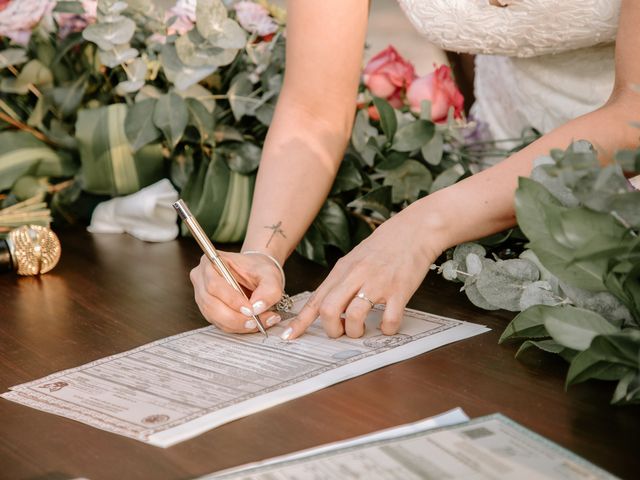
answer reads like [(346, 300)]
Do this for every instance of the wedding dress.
[(539, 63)]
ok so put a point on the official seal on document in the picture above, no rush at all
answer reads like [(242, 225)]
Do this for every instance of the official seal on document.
[(386, 341), (155, 419)]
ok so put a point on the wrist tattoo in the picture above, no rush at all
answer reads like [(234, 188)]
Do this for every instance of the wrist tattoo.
[(275, 230)]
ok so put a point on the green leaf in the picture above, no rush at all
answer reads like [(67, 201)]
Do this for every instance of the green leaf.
[(33, 73), (475, 297), (312, 246), (408, 180), (181, 75), (75, 8), (549, 346), (461, 251), (107, 35), (242, 157), (348, 177), (235, 215), (333, 225), (12, 56), (67, 99), (238, 94), (574, 327), (538, 293), (388, 121), (628, 389), (362, 131), (139, 126), (171, 116), (392, 161), (503, 282), (377, 200), (433, 150), (210, 16), (590, 364), (527, 324), (450, 176), (200, 118), (413, 136)]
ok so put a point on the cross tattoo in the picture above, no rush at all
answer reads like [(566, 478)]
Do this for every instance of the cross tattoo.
[(276, 230)]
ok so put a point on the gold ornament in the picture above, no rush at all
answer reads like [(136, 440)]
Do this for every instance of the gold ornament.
[(34, 249)]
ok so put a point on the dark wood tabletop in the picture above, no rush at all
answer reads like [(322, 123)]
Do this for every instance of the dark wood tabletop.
[(111, 293)]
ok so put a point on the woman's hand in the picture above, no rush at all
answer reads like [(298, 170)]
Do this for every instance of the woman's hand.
[(227, 308), (387, 268)]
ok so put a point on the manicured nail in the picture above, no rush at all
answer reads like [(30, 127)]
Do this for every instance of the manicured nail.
[(272, 320), (246, 311), (259, 307), (286, 334), (250, 324)]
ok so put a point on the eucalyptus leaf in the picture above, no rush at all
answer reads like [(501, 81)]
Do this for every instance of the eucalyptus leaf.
[(171, 116), (461, 251), (12, 57), (408, 180), (181, 75), (450, 176), (210, 17), (238, 95), (117, 55), (537, 293), (413, 136), (362, 131), (139, 126), (502, 283), (200, 118), (107, 35), (67, 99), (432, 151), (33, 73), (378, 200), (449, 270), (475, 297), (242, 157)]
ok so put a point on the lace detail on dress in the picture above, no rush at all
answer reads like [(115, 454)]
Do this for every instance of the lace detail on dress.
[(523, 28)]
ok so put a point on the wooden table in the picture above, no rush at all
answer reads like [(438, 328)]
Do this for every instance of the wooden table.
[(111, 293)]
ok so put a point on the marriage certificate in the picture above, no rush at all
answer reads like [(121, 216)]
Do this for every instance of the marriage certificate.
[(173, 389)]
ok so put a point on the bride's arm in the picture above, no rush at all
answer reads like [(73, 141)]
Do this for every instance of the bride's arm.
[(390, 264), (524, 28), (301, 155)]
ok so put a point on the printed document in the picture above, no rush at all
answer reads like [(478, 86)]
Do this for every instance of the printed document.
[(176, 388), (491, 447)]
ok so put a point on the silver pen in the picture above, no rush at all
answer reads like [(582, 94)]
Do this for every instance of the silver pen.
[(211, 253)]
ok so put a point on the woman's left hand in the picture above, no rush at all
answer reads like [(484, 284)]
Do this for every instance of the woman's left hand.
[(387, 268)]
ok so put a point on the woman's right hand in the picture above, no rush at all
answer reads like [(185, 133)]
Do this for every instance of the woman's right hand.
[(227, 308)]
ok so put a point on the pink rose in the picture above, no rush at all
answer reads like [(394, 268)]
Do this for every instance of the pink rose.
[(69, 23), (184, 12), (440, 89), (387, 75), (255, 18), (19, 17)]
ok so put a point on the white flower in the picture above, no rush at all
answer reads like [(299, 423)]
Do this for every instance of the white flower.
[(184, 12), (19, 17), (255, 18)]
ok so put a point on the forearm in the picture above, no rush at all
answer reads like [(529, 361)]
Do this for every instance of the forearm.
[(301, 157), (483, 204)]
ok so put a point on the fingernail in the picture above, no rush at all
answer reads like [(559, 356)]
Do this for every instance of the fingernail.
[(273, 320), (286, 334), (246, 311), (250, 324), (259, 307)]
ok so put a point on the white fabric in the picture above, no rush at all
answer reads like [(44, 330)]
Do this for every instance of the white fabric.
[(550, 62), (147, 214)]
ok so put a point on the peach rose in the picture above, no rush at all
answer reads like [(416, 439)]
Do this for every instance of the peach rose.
[(387, 75), (440, 89)]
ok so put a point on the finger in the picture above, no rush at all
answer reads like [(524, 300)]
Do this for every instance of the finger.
[(392, 316), (217, 287), (267, 293), (268, 320), (355, 317), (332, 307), (306, 317)]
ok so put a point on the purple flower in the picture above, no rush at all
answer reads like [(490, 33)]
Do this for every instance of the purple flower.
[(255, 18)]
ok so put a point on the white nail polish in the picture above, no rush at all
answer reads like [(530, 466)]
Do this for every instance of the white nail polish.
[(246, 311), (250, 324), (286, 334), (259, 307), (271, 321)]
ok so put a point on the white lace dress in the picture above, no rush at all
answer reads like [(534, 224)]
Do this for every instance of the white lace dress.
[(539, 63)]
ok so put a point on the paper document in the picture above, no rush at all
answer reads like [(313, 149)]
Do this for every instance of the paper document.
[(491, 447), (176, 388)]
